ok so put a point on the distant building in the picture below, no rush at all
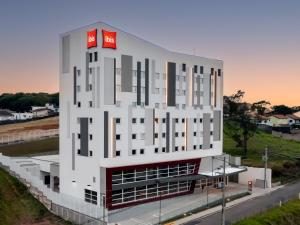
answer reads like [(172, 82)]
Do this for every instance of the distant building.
[(297, 114), (293, 120), (23, 116), (49, 106), (40, 112), (278, 120), (6, 115)]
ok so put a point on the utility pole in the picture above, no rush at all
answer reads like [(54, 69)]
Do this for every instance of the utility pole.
[(265, 158), (223, 192)]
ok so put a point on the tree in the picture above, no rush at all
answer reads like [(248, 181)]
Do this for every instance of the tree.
[(260, 107), (241, 127), (282, 109)]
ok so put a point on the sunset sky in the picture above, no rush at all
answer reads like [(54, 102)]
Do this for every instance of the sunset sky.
[(259, 41)]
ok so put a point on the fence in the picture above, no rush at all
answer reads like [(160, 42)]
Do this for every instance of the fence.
[(89, 213), (11, 138)]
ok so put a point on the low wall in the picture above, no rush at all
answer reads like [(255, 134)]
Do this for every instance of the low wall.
[(256, 175)]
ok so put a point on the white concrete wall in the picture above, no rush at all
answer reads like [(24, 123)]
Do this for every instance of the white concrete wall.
[(254, 173)]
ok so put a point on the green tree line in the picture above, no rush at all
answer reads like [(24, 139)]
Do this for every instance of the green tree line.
[(22, 102)]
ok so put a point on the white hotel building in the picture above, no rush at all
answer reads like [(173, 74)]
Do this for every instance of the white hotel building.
[(135, 119)]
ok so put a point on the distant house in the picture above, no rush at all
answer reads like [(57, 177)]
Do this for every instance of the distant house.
[(23, 116), (6, 115), (278, 120), (297, 114), (52, 109), (40, 112), (293, 119)]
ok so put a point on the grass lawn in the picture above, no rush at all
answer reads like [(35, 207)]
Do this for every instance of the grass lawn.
[(32, 147), (18, 206), (287, 214), (281, 166)]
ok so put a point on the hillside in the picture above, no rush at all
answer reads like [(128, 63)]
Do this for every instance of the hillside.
[(282, 167), (288, 214), (19, 207)]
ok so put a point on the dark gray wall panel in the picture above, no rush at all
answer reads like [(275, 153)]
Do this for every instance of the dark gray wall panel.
[(146, 81), (171, 82), (73, 151), (168, 132), (173, 133), (106, 136), (65, 54), (74, 85), (198, 91), (217, 125), (109, 81), (126, 73), (138, 83), (84, 136), (87, 72), (206, 130), (207, 90)]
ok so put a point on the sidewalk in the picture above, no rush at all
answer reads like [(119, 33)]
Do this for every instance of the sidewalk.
[(149, 213), (257, 192)]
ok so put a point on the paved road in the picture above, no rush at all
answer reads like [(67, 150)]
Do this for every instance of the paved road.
[(251, 207)]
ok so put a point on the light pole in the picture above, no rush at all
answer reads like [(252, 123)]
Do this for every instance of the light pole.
[(265, 159), (223, 192)]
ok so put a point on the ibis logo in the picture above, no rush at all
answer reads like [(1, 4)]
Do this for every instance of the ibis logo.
[(109, 39), (92, 38)]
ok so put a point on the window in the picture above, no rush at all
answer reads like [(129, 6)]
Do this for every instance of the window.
[(91, 137), (91, 57), (163, 149), (211, 133), (195, 69), (164, 120), (91, 120), (195, 134), (133, 120), (91, 153), (133, 152), (78, 136), (118, 120), (163, 135), (118, 136), (211, 120), (176, 134), (78, 151), (156, 150), (133, 136), (118, 153), (91, 87), (90, 196), (90, 103), (182, 148), (78, 72), (142, 151), (201, 69), (200, 120), (200, 146), (183, 120), (142, 120), (182, 134), (176, 120), (219, 72), (156, 120), (176, 148), (79, 104), (96, 56), (156, 135), (183, 67), (211, 145), (195, 120), (195, 147)]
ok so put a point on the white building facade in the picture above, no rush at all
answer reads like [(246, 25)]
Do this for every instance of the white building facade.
[(135, 118)]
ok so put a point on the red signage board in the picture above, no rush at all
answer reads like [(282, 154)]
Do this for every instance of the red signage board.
[(92, 38), (109, 39)]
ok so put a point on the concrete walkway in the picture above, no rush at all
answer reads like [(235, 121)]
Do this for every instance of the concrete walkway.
[(257, 192), (149, 213)]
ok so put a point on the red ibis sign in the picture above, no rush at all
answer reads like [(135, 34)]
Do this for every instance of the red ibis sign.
[(92, 38), (109, 39)]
